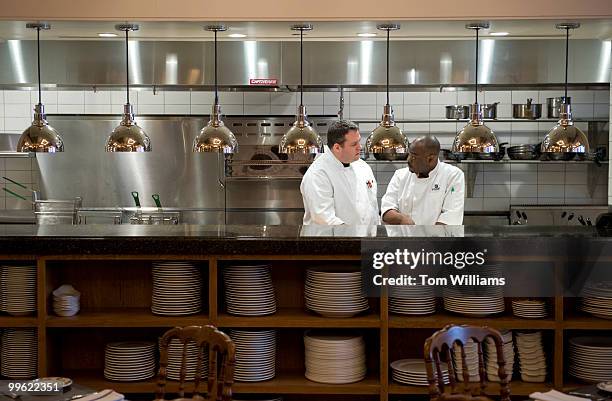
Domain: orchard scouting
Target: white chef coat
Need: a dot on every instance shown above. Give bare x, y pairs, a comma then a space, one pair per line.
437, 198
334, 194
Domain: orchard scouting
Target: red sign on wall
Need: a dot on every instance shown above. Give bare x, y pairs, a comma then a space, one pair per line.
263, 82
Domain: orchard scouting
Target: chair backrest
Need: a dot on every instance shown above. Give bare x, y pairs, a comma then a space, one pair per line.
207, 339
441, 342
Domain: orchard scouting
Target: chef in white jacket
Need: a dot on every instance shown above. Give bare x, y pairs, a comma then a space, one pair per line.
339, 187
427, 192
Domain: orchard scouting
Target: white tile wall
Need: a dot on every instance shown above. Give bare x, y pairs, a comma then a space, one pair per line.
497, 186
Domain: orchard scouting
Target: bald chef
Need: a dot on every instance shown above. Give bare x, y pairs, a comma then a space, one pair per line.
339, 187
427, 192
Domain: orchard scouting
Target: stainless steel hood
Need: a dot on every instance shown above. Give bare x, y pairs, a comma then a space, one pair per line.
355, 63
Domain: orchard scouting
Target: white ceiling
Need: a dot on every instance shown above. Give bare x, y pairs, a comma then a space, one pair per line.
344, 30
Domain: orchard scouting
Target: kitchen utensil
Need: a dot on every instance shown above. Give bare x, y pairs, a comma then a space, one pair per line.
589, 222
524, 217
489, 111
14, 194
570, 217
136, 199
57, 211
581, 220
523, 152
35, 194
457, 112
553, 106
528, 111
563, 214
156, 200
497, 156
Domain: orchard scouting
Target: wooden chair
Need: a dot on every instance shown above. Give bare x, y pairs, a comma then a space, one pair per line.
441, 342
207, 339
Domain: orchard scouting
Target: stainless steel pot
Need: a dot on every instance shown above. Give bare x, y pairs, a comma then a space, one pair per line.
553, 105
489, 111
528, 111
457, 112
391, 156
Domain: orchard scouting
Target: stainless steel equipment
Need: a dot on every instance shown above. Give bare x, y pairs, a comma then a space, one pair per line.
555, 215
528, 111
553, 106
263, 185
458, 112
488, 111
57, 211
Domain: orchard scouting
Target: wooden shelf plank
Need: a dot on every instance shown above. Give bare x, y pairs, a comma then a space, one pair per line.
576, 320
18, 321
296, 317
441, 319
285, 383
516, 388
124, 317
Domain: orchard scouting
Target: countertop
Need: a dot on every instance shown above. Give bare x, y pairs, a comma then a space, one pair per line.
265, 240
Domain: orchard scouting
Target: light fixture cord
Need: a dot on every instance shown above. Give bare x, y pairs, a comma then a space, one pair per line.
301, 67
38, 55
127, 68
388, 65
566, 61
476, 80
216, 87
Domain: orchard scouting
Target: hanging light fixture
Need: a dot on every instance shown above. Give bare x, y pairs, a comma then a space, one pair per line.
40, 136
565, 137
476, 137
128, 136
387, 138
301, 137
215, 137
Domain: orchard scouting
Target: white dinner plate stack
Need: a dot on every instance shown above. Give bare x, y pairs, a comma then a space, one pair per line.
597, 299
19, 353
410, 300
465, 302
471, 359
129, 361
66, 300
532, 359
492, 368
334, 358
249, 290
18, 290
334, 292
590, 358
175, 359
529, 308
177, 288
255, 354
413, 372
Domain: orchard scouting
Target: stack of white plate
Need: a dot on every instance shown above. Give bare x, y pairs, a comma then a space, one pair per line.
529, 308
249, 290
66, 300
129, 361
334, 358
408, 300
490, 350
471, 359
413, 372
532, 359
334, 292
19, 353
255, 354
255, 397
474, 303
590, 358
175, 359
597, 299
18, 290
177, 288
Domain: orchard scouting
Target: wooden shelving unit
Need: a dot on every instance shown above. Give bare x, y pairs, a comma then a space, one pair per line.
116, 299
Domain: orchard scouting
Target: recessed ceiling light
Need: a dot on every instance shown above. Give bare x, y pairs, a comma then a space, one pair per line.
366, 34
107, 35
499, 33
237, 35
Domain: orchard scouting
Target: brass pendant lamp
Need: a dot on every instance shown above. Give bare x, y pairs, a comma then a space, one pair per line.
128, 136
565, 137
216, 137
301, 137
40, 136
476, 137
387, 138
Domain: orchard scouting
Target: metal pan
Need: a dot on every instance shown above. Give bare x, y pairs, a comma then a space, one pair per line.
553, 105
457, 112
528, 111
